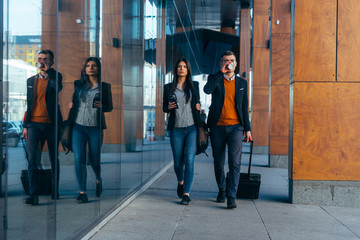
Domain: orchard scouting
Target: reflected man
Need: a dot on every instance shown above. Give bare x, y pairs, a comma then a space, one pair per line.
228, 119
42, 121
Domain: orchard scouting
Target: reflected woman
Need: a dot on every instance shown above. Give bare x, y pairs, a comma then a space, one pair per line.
91, 98
181, 99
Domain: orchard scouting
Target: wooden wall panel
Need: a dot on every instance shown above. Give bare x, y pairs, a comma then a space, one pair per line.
112, 69
261, 98
281, 21
281, 8
279, 145
348, 54
326, 132
261, 31
261, 7
261, 66
73, 47
280, 59
160, 78
279, 117
260, 128
260, 103
112, 7
280, 77
281, 25
315, 40
114, 134
245, 42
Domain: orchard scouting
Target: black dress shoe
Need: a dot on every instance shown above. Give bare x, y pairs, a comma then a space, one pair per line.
82, 198
33, 200
98, 187
180, 190
231, 203
221, 197
185, 200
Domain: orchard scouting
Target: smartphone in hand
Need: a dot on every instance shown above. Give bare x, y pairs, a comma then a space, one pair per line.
96, 99
172, 98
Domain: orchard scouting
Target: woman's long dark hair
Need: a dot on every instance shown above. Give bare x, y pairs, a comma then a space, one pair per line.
189, 86
84, 79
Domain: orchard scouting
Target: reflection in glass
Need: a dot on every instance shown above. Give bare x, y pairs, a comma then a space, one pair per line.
91, 98
135, 145
41, 123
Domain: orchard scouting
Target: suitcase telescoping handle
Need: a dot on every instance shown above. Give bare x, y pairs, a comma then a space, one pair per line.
251, 149
24, 146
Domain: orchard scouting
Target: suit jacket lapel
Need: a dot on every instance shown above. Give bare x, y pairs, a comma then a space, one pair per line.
35, 85
237, 87
222, 87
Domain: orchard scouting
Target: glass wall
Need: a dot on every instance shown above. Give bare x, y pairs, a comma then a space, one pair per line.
129, 39
137, 43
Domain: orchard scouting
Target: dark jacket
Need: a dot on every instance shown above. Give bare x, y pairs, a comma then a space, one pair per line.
50, 96
194, 100
106, 101
215, 87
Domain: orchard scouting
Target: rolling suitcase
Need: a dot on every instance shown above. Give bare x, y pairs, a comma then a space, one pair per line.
43, 178
249, 183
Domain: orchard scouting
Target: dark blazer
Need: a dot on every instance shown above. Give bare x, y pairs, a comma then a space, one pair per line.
50, 96
194, 100
215, 87
106, 101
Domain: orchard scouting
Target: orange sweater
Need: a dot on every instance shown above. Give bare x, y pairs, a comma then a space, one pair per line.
228, 114
39, 112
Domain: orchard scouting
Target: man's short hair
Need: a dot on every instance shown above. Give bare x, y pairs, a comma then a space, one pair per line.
227, 53
46, 51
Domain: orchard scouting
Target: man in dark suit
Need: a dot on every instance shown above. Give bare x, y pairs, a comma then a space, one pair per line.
228, 121
42, 121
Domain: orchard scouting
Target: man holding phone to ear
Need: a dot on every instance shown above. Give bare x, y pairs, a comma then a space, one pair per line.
228, 121
42, 122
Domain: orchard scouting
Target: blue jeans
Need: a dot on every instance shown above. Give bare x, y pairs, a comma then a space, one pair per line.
183, 145
80, 137
231, 136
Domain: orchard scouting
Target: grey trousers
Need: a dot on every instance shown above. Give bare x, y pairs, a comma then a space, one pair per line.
231, 136
38, 133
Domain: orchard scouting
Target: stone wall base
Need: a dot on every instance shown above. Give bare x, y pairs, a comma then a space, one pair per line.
279, 161
330, 193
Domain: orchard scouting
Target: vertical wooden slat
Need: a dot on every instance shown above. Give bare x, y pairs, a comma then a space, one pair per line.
280, 79
261, 68
112, 69
348, 54
245, 37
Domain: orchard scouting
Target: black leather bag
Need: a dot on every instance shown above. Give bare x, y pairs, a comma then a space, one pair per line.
202, 140
43, 179
66, 137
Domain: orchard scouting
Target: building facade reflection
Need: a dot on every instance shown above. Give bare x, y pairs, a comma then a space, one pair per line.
136, 42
